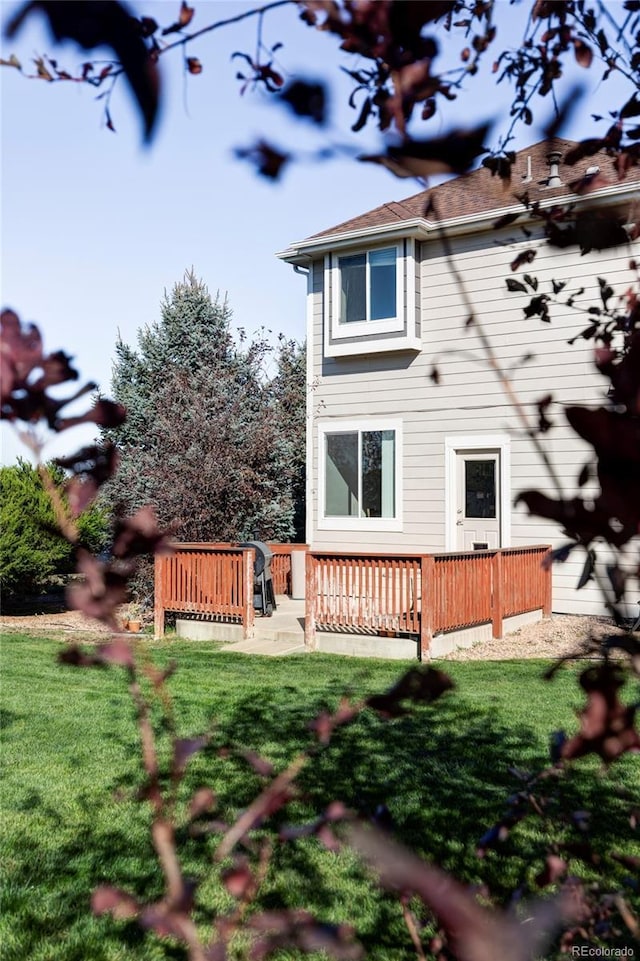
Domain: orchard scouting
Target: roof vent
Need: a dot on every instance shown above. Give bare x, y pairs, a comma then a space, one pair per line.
592, 171
527, 177
553, 159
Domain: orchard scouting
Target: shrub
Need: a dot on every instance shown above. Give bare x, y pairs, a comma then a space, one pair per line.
31, 549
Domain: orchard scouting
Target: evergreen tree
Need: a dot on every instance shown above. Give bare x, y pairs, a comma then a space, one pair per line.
289, 388
203, 442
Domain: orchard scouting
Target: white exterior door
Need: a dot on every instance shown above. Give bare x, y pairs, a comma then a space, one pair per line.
477, 500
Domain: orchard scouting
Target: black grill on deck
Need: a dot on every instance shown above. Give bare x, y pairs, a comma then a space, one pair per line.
264, 598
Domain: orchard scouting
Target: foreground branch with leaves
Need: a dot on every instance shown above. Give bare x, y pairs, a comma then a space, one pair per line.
467, 929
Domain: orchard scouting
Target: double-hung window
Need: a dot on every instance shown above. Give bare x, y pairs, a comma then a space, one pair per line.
360, 476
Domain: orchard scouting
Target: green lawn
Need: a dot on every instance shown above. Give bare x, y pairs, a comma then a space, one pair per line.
69, 755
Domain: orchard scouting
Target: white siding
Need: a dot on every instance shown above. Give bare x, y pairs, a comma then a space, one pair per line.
469, 399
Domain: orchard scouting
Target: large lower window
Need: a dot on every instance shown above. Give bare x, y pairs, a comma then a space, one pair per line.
360, 474
368, 286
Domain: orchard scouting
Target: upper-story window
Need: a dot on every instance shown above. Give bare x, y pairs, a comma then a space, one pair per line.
368, 286
370, 300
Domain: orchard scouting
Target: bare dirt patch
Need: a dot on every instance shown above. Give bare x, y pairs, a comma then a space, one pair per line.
60, 622
559, 636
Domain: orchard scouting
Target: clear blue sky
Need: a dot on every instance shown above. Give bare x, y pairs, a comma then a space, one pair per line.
95, 227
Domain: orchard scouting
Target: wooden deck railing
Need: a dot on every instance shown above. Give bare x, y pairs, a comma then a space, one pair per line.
215, 580
375, 593
212, 580
281, 565
423, 594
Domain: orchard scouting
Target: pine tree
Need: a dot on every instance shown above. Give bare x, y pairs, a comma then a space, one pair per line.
204, 442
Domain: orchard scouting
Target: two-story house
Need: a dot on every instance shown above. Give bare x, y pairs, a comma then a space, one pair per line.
403, 458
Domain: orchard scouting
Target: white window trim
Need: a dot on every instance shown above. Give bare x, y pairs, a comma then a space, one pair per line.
359, 523
309, 406
360, 337
456, 443
386, 325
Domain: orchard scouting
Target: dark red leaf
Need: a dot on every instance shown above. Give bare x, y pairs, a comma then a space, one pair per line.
583, 52
104, 413
587, 570
238, 880
20, 352
365, 112
524, 257
184, 748
454, 153
575, 518
269, 161
57, 369
138, 535
91, 466
630, 861
505, 221
148, 26
167, 921
184, 19
193, 65
116, 651
74, 656
418, 685
109, 900
607, 727
554, 868
203, 801
631, 107
306, 100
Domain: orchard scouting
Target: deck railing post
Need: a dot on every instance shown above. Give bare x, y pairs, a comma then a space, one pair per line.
427, 604
158, 596
248, 614
310, 594
546, 573
496, 594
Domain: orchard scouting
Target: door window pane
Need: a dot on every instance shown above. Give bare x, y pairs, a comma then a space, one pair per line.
382, 269
480, 488
353, 280
341, 476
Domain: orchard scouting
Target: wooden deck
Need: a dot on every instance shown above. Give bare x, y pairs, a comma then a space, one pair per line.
385, 595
